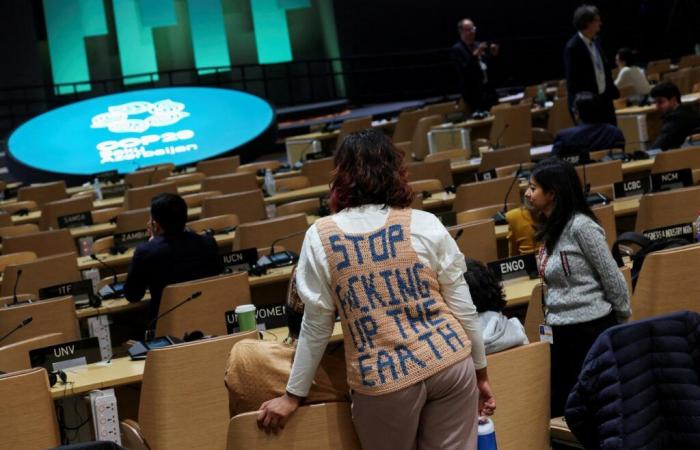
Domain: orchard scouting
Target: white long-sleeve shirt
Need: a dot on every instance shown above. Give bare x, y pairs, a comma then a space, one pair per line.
433, 245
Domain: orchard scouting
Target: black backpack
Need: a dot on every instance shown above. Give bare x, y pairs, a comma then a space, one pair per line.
646, 246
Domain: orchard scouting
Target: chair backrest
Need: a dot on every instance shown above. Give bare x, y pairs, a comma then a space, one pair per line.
507, 171
43, 193
659, 66
42, 272
689, 61
133, 220
5, 219
314, 427
681, 78
261, 234
511, 126
486, 193
485, 212
147, 177
185, 179
442, 109
16, 258
406, 124
49, 316
456, 154
248, 206
306, 206
519, 378
478, 240
214, 223
51, 211
43, 243
184, 403
606, 216
534, 316
420, 186
18, 230
318, 171
195, 200
668, 208
207, 313
351, 126
219, 166
140, 197
559, 116
291, 183
600, 174
253, 168
419, 143
231, 184
505, 157
433, 170
682, 158
105, 215
28, 414
15, 356
11, 208
667, 282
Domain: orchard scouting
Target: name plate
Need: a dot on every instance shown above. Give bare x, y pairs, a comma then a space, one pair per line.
671, 180
266, 317
485, 176
630, 188
80, 219
113, 191
130, 239
66, 355
682, 231
82, 291
240, 260
110, 176
515, 267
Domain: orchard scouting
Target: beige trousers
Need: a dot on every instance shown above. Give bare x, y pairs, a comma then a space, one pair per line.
440, 412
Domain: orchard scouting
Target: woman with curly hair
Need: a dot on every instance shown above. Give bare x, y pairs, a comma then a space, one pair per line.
414, 355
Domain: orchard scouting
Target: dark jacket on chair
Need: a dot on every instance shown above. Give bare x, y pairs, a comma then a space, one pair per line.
677, 125
575, 144
640, 387
168, 260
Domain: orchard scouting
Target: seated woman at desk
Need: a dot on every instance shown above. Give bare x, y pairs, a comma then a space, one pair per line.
584, 292
499, 332
521, 234
258, 370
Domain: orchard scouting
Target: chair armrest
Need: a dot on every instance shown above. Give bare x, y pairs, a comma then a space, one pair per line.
131, 435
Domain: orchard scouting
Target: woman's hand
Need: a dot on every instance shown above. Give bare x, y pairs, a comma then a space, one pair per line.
487, 401
274, 414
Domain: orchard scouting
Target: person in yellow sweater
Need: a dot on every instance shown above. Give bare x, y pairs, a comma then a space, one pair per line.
521, 238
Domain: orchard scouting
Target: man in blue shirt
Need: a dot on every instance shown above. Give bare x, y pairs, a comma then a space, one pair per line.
575, 144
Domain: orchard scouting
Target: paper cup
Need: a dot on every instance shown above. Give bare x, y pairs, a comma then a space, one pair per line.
245, 314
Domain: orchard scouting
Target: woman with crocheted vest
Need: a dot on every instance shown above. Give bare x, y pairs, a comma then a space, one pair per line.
414, 354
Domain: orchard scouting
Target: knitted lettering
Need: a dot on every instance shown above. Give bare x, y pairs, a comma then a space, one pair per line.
398, 329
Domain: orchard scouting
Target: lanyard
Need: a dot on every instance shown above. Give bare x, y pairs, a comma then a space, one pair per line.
543, 258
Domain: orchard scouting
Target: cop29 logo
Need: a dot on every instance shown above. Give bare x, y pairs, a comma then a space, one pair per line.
138, 117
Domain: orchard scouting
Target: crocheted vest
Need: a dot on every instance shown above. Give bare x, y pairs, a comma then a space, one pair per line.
397, 328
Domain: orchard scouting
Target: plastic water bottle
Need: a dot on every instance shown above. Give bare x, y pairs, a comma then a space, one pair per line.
541, 97
269, 183
487, 435
696, 227
97, 187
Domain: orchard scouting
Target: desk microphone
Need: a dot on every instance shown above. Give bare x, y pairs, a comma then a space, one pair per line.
500, 217
595, 198
22, 324
500, 136
151, 328
273, 259
116, 289
14, 290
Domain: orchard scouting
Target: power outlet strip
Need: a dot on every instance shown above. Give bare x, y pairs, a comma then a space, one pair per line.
99, 327
105, 416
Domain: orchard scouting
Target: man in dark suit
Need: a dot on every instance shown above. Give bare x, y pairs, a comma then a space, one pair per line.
473, 60
585, 65
172, 255
679, 120
575, 144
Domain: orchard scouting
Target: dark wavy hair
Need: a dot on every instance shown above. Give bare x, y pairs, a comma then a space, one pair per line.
559, 176
369, 169
487, 292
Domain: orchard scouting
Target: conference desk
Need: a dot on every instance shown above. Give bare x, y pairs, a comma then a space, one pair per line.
122, 371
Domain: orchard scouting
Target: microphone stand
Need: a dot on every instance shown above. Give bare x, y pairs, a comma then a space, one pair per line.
150, 329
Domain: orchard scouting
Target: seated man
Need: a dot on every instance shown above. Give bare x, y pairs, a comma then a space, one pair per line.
575, 144
172, 255
499, 332
679, 120
259, 370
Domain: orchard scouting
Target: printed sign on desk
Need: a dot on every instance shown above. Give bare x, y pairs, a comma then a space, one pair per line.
80, 219
130, 239
240, 260
487, 175
515, 267
633, 187
82, 291
266, 317
671, 180
681, 231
